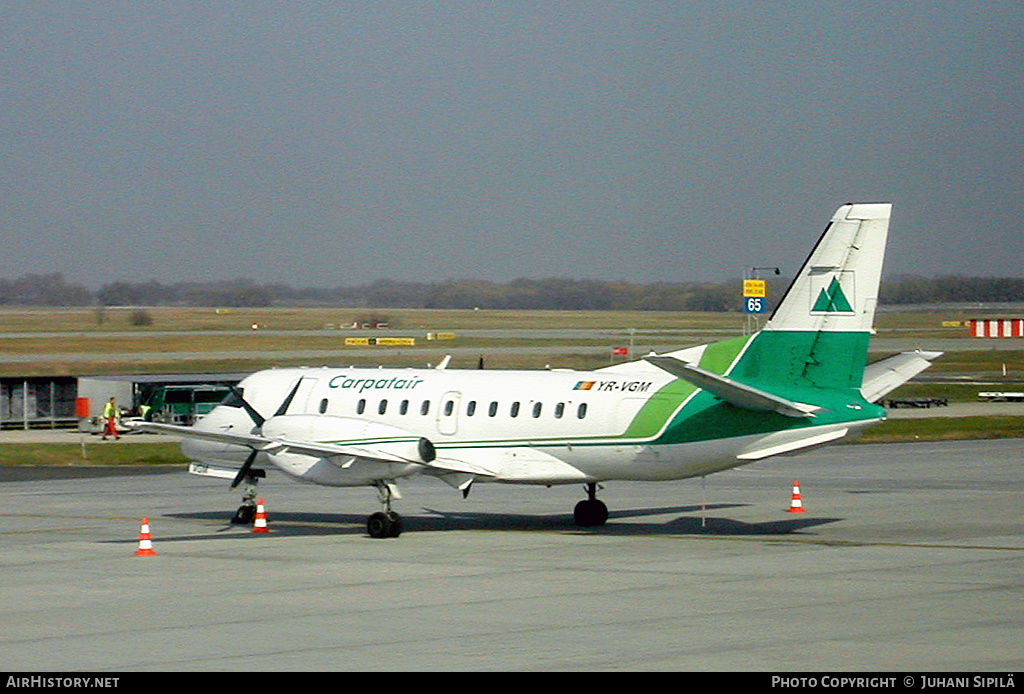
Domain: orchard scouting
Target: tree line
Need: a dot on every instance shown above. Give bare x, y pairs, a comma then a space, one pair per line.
554, 294
951, 289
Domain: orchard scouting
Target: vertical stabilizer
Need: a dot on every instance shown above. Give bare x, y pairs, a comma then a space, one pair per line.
818, 336
837, 288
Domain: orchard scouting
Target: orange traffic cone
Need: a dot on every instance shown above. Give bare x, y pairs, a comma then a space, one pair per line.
797, 504
145, 541
261, 518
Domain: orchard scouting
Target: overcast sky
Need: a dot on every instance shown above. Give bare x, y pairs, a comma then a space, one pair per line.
335, 143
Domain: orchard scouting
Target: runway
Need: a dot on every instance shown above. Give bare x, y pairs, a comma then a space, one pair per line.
910, 558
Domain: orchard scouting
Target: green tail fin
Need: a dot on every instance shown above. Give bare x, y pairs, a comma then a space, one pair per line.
818, 336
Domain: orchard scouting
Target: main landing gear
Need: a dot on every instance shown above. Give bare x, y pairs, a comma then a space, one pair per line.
385, 523
591, 512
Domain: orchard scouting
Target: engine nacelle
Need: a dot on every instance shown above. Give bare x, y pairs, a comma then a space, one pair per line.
373, 451
368, 439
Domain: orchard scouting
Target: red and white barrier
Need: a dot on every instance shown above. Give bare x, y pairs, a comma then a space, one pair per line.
997, 327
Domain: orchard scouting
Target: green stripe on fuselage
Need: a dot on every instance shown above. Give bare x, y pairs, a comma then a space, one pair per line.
651, 418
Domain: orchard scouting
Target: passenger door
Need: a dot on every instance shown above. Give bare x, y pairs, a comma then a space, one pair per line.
448, 413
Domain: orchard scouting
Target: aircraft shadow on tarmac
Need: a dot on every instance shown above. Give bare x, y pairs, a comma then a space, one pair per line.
620, 522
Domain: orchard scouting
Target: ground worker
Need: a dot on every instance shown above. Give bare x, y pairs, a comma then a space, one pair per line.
110, 413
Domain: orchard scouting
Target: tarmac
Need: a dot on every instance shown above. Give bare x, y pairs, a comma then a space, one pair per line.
908, 559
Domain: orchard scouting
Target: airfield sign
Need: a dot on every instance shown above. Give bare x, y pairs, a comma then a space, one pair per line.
755, 296
755, 288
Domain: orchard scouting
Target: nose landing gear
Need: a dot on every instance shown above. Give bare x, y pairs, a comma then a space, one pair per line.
246, 513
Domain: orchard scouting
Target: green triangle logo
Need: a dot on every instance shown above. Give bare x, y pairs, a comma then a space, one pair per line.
832, 300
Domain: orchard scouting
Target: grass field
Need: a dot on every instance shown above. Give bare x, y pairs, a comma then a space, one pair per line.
43, 342
92, 453
211, 319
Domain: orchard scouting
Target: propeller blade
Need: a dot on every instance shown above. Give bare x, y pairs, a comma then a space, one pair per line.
283, 409
256, 417
244, 470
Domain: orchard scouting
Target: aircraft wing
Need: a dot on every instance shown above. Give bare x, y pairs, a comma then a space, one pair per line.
191, 432
449, 464
884, 376
282, 445
351, 450
733, 392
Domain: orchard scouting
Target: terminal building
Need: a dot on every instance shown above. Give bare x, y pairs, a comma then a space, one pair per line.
70, 401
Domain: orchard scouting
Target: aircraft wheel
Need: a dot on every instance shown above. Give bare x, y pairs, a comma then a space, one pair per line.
377, 525
396, 524
244, 515
381, 525
590, 513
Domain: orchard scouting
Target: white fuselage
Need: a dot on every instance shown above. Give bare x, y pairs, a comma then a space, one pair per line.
532, 427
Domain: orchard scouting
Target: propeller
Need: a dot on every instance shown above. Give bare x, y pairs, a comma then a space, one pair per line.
283, 409
259, 421
244, 470
238, 400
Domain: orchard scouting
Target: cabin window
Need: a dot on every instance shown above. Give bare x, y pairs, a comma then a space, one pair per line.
449, 407
581, 411
425, 408
382, 407
514, 410
404, 407
492, 410
536, 409
559, 410
323, 406
471, 408
361, 406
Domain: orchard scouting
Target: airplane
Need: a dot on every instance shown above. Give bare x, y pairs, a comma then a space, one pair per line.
801, 381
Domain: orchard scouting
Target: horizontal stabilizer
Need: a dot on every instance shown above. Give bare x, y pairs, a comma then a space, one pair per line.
885, 376
733, 392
